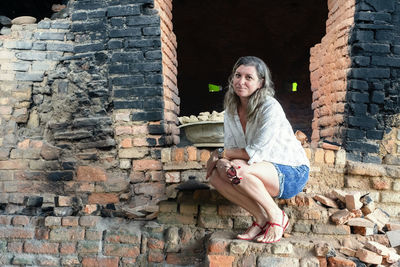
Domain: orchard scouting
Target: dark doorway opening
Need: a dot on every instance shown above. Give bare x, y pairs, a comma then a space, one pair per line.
39, 9
212, 35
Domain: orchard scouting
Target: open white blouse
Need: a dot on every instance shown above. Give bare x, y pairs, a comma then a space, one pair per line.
269, 137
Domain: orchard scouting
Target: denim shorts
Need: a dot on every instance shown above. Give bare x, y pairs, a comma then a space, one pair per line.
291, 179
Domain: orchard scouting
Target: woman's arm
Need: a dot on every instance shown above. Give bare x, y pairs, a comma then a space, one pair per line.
236, 153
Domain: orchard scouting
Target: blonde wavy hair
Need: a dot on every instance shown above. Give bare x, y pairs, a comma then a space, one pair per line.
232, 101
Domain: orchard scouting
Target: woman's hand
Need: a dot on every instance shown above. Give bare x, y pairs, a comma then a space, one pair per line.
211, 163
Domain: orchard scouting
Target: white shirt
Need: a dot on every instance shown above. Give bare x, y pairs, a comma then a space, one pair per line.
269, 137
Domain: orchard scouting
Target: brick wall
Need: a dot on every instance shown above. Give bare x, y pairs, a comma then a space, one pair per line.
373, 88
329, 63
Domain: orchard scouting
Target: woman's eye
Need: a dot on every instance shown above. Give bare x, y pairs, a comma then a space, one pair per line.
237, 75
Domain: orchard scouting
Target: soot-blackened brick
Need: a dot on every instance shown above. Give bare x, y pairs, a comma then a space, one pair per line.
138, 92
386, 61
115, 44
79, 16
381, 5
151, 43
154, 79
151, 141
378, 85
89, 5
362, 48
68, 165
148, 116
125, 33
396, 49
378, 97
358, 108
359, 97
127, 57
361, 61
128, 104
368, 73
384, 36
118, 22
158, 55
146, 67
128, 80
142, 20
153, 103
362, 36
156, 129
355, 134
370, 158
363, 121
98, 26
362, 146
119, 69
119, 11
60, 176
96, 14
373, 109
88, 48
358, 84
375, 134
151, 31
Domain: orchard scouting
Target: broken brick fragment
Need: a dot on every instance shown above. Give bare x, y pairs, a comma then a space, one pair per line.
368, 256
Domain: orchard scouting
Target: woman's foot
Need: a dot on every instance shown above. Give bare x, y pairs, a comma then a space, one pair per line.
253, 231
274, 231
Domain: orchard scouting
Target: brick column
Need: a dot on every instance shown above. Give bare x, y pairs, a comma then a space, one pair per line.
329, 64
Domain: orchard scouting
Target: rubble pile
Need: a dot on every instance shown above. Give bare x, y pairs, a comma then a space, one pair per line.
364, 218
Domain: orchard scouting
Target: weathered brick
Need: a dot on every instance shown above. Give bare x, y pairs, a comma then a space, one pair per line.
91, 173
155, 255
92, 234
172, 177
331, 229
17, 233
70, 221
88, 247
339, 261
67, 234
41, 247
89, 221
147, 164
15, 247
368, 256
121, 250
154, 243
52, 221
133, 153
126, 10
67, 248
20, 220
42, 233
221, 260
70, 261
14, 165
100, 261
103, 198
122, 236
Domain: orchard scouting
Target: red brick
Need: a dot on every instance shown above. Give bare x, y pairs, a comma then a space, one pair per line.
42, 233
126, 143
341, 216
17, 233
204, 156
40, 247
5, 219
14, 165
220, 260
24, 144
103, 198
100, 262
179, 154
67, 248
192, 153
15, 247
326, 201
368, 256
89, 173
217, 246
89, 221
70, 221
64, 201
156, 255
380, 183
146, 164
140, 142
121, 250
340, 262
89, 209
153, 243
20, 220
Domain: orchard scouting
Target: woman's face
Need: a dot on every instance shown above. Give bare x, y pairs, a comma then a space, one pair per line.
246, 81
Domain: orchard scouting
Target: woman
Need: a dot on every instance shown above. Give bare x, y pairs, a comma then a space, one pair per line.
261, 158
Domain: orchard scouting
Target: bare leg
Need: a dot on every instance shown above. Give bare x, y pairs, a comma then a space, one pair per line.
259, 181
221, 182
